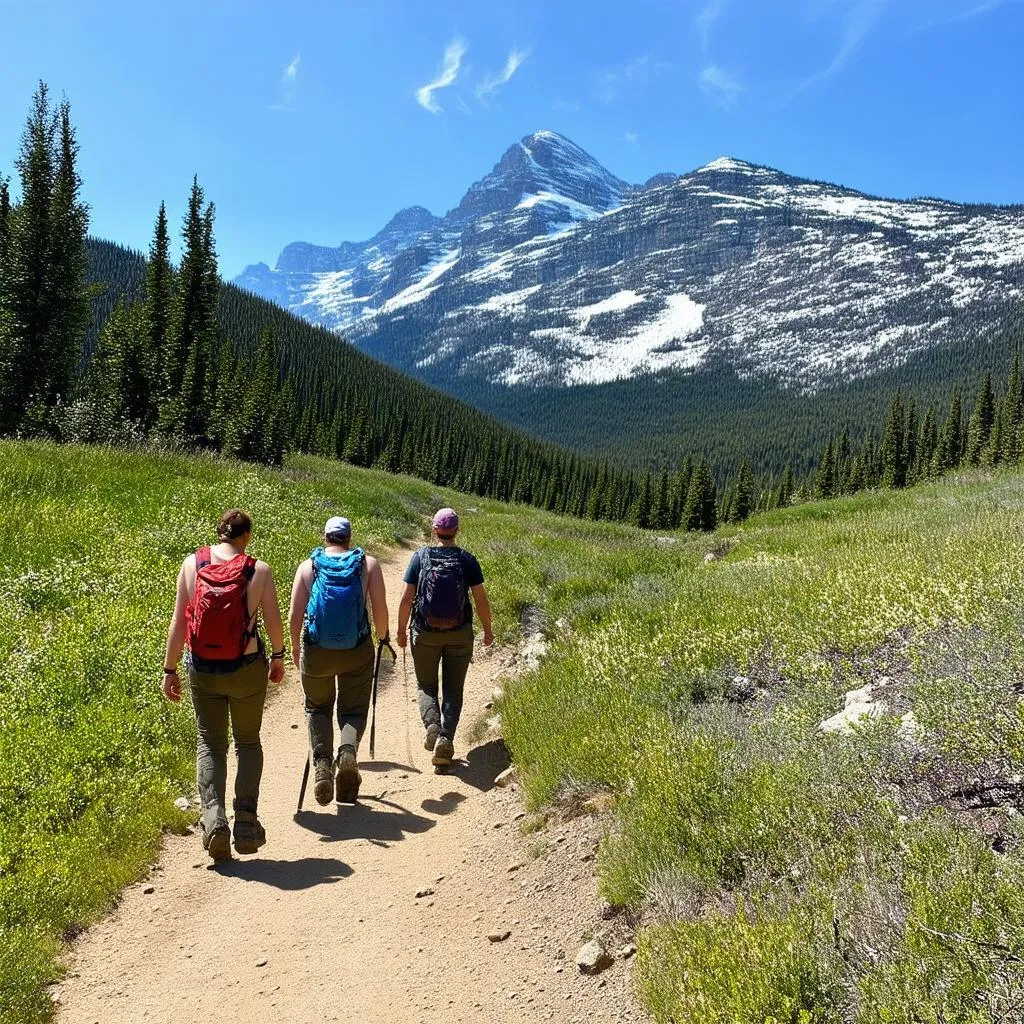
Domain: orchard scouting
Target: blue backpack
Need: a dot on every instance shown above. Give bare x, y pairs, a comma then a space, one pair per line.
336, 613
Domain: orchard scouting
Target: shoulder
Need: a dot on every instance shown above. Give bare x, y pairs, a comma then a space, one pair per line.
372, 564
262, 571
189, 565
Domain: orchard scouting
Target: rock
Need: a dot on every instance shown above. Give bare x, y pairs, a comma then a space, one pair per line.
181, 803
423, 893
858, 706
149, 890
710, 557
262, 962
516, 866
494, 722
507, 777
740, 689
593, 958
626, 951
499, 935
295, 725
497, 694
488, 705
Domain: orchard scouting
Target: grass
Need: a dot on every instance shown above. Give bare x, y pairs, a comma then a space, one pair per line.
782, 874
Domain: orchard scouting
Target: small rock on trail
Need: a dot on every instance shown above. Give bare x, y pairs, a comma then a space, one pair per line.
593, 958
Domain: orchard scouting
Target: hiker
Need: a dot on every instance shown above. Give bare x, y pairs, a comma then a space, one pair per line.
439, 581
333, 651
221, 592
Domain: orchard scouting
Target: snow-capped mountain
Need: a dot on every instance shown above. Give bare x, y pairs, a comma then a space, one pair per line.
553, 271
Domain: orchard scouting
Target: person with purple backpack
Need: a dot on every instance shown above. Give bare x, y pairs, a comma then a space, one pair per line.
439, 582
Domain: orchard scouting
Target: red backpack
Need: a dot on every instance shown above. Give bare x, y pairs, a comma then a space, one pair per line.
219, 626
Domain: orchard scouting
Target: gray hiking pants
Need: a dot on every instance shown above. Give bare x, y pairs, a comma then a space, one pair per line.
235, 697
343, 675
446, 653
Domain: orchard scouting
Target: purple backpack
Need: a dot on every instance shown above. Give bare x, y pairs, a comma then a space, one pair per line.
441, 592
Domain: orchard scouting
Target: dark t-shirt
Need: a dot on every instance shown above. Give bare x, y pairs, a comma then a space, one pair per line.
472, 574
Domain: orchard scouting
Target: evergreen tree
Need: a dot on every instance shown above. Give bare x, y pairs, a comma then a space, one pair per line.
743, 496
1013, 414
699, 512
893, 454
786, 487
979, 428
29, 296
640, 513
120, 373
910, 439
825, 478
257, 434
928, 444
194, 327
159, 308
950, 448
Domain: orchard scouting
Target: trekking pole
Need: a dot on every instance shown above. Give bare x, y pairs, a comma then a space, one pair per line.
305, 779
381, 644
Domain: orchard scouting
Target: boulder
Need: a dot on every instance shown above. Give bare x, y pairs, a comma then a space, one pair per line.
507, 777
858, 707
593, 957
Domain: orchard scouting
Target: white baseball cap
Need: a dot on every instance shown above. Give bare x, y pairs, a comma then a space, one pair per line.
337, 525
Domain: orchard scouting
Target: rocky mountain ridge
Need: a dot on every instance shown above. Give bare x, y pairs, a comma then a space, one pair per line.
552, 271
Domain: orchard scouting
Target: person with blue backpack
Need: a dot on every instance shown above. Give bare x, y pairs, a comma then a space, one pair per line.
439, 582
334, 594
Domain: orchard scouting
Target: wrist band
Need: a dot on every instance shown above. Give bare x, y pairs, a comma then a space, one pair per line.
170, 671
277, 655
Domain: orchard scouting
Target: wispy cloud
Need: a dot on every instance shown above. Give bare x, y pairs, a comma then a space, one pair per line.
494, 82
979, 9
720, 85
705, 21
637, 71
631, 137
859, 20
289, 84
449, 72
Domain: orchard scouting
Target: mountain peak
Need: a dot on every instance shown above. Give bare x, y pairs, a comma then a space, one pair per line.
545, 167
729, 164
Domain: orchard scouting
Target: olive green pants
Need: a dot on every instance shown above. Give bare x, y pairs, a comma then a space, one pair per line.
236, 698
446, 653
342, 676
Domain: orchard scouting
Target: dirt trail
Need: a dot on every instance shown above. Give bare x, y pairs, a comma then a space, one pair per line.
324, 924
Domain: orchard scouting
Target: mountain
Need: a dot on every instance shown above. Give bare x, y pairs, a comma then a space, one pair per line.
553, 272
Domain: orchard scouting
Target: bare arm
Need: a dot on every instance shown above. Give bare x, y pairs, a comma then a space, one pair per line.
483, 609
176, 636
404, 612
272, 612
378, 598
297, 610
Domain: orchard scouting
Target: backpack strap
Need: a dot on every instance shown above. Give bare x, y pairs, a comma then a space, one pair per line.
203, 558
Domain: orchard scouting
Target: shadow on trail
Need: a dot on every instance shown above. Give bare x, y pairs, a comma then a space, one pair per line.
482, 765
289, 875
388, 766
382, 824
443, 804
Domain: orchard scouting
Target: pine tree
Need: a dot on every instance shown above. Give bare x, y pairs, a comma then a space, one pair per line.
786, 487
910, 439
29, 298
640, 513
661, 512
1013, 414
825, 478
69, 296
193, 329
950, 448
927, 444
257, 435
159, 308
979, 428
893, 454
743, 496
120, 372
699, 512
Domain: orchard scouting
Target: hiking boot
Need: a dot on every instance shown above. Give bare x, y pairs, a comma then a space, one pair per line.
430, 737
444, 751
348, 778
323, 781
218, 843
250, 835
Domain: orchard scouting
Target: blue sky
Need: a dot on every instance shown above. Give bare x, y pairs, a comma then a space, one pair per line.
318, 121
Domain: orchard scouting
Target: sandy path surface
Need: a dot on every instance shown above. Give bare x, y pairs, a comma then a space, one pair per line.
325, 924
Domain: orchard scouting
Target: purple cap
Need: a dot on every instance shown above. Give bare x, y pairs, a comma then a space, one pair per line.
446, 520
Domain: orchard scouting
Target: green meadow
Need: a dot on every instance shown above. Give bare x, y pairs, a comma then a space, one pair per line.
775, 872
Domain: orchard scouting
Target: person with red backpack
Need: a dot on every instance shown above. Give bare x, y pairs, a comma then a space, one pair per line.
439, 582
333, 651
221, 592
